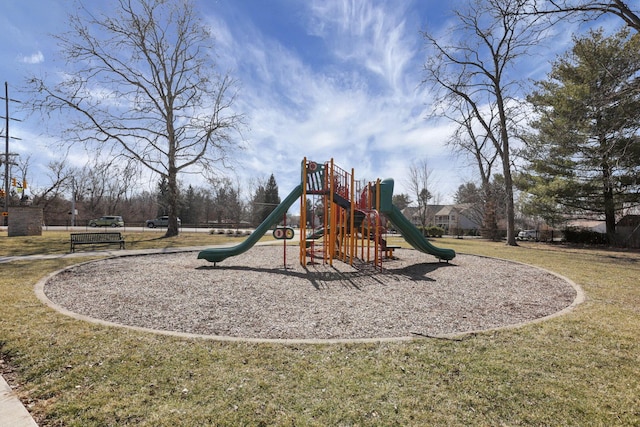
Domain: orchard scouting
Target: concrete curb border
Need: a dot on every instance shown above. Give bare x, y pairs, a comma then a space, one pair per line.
39, 291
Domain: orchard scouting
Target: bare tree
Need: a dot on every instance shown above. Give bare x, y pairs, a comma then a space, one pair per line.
52, 198
586, 10
23, 168
469, 69
143, 85
420, 184
102, 187
472, 140
58, 173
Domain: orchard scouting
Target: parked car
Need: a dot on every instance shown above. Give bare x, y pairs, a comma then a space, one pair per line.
107, 221
528, 235
162, 221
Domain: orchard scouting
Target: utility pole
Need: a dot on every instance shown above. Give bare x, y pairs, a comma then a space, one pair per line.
6, 149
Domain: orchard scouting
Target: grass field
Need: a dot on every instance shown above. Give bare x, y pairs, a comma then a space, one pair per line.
582, 369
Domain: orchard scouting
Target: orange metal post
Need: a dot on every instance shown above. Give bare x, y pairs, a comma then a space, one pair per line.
303, 215
377, 227
362, 240
352, 219
331, 246
369, 207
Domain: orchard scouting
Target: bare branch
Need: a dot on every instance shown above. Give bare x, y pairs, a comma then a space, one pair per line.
470, 72
585, 10
143, 84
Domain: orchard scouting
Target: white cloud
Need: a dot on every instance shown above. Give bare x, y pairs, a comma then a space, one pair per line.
34, 58
297, 108
367, 34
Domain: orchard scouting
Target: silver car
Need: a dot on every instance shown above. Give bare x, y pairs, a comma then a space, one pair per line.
162, 221
528, 235
107, 221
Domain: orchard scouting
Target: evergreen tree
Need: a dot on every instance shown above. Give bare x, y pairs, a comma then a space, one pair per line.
585, 156
271, 198
257, 205
401, 201
228, 206
190, 210
162, 198
194, 206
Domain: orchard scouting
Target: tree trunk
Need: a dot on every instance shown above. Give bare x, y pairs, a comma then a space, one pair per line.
511, 212
172, 187
489, 215
609, 204
172, 179
506, 169
172, 226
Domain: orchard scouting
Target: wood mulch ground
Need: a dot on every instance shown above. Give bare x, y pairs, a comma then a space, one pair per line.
253, 296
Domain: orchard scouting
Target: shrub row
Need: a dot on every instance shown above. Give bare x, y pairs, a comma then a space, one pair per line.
578, 235
230, 232
432, 231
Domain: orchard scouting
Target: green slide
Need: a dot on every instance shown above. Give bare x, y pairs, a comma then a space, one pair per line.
414, 237
409, 231
219, 254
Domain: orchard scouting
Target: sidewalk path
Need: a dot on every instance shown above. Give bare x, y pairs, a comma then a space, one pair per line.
127, 252
106, 253
12, 412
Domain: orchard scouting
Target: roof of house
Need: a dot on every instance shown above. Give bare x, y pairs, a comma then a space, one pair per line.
588, 224
445, 211
411, 211
460, 208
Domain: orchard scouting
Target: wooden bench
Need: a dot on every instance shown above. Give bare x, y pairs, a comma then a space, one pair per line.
96, 239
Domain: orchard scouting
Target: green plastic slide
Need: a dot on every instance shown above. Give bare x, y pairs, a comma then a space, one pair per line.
414, 237
219, 254
410, 232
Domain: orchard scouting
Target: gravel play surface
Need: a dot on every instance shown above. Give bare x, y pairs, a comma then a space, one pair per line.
253, 296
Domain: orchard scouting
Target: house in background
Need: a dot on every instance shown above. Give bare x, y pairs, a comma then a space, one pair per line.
594, 225
413, 214
457, 219
454, 219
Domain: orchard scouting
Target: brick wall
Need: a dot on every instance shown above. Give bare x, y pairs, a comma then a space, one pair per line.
25, 221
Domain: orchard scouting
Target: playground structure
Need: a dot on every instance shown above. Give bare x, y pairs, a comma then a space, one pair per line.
351, 228
353, 220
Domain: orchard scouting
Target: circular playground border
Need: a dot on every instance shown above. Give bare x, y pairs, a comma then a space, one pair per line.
254, 298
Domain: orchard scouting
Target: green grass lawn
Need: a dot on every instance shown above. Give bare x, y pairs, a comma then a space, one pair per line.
581, 369
57, 242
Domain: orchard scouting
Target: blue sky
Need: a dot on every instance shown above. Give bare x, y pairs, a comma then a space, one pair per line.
318, 78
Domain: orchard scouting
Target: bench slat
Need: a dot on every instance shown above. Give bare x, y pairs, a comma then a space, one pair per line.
96, 238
